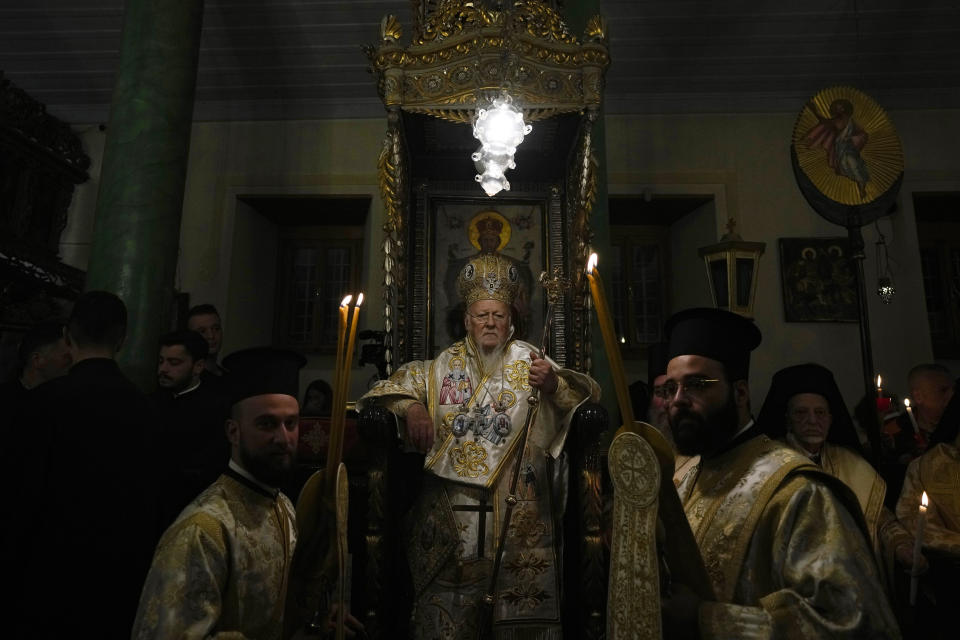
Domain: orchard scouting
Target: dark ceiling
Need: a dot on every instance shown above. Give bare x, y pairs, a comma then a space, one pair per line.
290, 59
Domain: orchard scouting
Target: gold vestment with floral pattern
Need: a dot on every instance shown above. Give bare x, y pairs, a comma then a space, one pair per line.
785, 546
220, 570
454, 527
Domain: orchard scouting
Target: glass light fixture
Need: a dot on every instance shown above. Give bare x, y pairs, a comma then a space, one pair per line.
732, 271
500, 130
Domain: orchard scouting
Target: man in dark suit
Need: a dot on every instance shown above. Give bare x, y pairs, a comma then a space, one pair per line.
41, 356
194, 446
85, 517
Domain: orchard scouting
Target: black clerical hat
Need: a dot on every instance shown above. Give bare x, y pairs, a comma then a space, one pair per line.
656, 361
263, 370
807, 378
716, 334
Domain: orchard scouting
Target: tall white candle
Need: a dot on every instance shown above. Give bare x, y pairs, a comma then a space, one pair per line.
918, 547
913, 419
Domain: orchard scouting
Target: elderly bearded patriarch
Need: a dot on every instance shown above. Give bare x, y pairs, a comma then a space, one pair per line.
471, 448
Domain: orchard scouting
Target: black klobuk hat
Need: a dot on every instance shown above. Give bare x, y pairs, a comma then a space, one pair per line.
263, 370
716, 334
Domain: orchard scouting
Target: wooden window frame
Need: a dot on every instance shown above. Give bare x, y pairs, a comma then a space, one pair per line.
323, 238
624, 238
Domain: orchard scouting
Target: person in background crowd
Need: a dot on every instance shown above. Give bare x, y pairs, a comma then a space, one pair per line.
42, 356
193, 418
83, 481
205, 320
805, 409
318, 399
937, 472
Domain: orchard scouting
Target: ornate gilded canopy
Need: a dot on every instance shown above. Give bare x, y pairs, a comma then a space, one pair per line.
462, 54
462, 50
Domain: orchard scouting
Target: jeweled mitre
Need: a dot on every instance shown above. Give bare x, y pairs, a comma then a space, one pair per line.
489, 276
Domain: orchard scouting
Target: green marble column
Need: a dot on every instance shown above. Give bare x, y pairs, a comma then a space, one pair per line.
137, 227
578, 13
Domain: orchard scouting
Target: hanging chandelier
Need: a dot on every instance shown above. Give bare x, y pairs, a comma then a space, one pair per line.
500, 130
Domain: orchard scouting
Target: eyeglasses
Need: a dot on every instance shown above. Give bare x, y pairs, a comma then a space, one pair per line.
484, 318
693, 386
803, 413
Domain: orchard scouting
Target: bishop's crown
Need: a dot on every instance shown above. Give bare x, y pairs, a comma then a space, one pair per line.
489, 276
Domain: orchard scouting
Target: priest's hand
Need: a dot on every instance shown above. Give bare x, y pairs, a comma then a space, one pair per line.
681, 613
542, 376
904, 555
419, 427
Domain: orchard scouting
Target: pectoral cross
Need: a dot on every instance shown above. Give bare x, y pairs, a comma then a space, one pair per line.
481, 509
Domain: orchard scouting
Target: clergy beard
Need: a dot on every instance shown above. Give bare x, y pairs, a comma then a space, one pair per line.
491, 361
696, 434
271, 467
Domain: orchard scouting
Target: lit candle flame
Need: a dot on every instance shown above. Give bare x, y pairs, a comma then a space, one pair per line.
346, 300
924, 501
592, 262
906, 402
360, 299
878, 381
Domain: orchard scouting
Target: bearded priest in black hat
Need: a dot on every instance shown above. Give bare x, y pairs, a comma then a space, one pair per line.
805, 409
784, 544
222, 566
465, 410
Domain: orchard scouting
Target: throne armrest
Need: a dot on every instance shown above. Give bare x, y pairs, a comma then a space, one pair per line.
392, 481
377, 428
585, 566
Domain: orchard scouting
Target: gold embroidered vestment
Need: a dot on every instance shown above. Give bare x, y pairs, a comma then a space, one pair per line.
455, 524
220, 570
785, 547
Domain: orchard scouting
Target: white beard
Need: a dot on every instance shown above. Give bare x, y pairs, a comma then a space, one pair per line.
491, 361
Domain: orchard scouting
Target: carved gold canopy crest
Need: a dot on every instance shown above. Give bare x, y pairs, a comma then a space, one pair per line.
463, 50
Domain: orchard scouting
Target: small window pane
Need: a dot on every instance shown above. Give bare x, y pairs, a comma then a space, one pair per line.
646, 293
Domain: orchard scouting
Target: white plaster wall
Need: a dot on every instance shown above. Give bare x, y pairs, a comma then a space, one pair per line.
78, 234
742, 160
329, 157
747, 158
251, 299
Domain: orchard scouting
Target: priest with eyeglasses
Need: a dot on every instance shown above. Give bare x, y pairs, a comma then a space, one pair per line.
466, 410
784, 544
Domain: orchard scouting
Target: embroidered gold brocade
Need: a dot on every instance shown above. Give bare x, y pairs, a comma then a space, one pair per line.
517, 375
938, 473
450, 577
633, 609
785, 545
468, 460
221, 568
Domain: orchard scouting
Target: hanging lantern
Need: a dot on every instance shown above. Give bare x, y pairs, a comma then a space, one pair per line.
886, 287
732, 269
